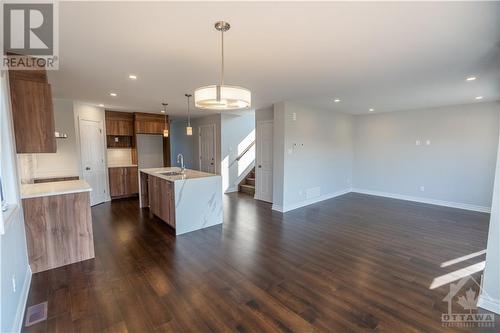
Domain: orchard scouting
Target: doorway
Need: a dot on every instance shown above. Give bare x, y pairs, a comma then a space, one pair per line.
207, 148
264, 161
92, 157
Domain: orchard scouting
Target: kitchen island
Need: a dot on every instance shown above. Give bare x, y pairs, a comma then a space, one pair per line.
186, 200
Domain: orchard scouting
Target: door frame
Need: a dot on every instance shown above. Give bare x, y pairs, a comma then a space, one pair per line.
259, 123
212, 126
106, 196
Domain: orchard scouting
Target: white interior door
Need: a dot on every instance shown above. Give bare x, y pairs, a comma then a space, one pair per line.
264, 161
207, 148
92, 152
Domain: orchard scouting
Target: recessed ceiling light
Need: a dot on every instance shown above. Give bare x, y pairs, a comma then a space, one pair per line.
470, 78
371, 110
113, 94
479, 97
132, 77
101, 105
336, 100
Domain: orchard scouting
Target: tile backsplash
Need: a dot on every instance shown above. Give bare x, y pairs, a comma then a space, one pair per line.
119, 156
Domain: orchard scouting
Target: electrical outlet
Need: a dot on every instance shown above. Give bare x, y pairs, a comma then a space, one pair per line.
422, 188
13, 283
428, 142
417, 143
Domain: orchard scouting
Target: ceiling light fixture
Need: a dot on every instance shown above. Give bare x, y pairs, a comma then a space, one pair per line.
132, 77
101, 105
371, 110
220, 96
113, 94
479, 97
189, 129
165, 130
336, 100
470, 78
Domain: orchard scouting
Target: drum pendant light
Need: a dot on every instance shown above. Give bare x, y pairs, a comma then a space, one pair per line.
222, 97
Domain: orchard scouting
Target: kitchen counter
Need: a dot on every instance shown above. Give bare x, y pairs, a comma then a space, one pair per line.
123, 166
54, 188
187, 174
187, 202
58, 223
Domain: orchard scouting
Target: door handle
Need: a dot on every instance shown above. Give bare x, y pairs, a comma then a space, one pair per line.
87, 168
260, 166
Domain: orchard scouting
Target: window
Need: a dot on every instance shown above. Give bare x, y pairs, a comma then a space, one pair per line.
8, 175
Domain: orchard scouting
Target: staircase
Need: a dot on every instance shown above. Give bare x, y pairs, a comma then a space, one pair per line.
248, 184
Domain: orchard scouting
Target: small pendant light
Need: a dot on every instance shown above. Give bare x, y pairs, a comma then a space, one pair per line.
165, 131
189, 129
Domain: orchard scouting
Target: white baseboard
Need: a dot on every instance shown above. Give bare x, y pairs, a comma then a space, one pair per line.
459, 205
308, 202
18, 320
489, 304
231, 190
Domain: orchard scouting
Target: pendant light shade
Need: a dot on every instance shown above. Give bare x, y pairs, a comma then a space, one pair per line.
220, 96
189, 129
165, 130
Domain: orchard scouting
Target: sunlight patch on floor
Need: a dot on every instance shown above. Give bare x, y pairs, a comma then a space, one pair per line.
463, 258
456, 275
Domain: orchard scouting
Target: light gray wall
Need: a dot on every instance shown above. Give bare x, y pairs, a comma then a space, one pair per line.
149, 151
264, 114
237, 132
13, 250
278, 155
180, 143
458, 165
65, 161
317, 154
490, 293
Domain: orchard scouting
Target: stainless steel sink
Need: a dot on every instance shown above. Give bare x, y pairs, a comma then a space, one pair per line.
172, 173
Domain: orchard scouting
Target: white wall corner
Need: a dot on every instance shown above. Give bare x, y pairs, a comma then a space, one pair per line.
489, 304
277, 208
18, 320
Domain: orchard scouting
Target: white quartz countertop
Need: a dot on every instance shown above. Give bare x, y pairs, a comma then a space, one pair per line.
122, 165
54, 188
188, 173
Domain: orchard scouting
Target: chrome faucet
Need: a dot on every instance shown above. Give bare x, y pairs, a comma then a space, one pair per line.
180, 159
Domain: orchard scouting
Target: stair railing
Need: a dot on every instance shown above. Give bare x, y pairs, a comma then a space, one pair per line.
240, 156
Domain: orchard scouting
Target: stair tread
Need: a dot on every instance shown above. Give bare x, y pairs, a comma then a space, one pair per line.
250, 178
247, 185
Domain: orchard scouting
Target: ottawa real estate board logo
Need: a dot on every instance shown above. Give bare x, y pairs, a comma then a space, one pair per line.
29, 35
462, 305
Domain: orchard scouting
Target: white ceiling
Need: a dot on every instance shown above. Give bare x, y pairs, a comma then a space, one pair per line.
389, 56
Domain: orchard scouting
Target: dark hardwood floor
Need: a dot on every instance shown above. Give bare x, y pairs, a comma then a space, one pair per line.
355, 263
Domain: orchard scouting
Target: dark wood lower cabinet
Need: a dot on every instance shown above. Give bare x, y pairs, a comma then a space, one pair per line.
123, 181
161, 199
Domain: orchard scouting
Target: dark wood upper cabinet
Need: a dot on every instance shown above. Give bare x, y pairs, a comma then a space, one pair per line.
147, 123
119, 123
33, 114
